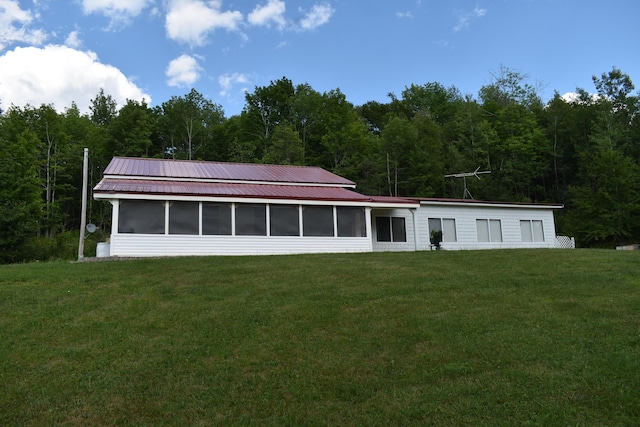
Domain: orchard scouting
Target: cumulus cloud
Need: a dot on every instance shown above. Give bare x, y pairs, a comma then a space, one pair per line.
191, 21
14, 25
60, 75
319, 15
73, 40
465, 18
270, 13
119, 11
229, 81
183, 71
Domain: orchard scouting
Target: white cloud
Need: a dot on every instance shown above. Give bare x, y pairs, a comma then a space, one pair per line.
465, 18
319, 15
479, 12
191, 21
14, 25
183, 71
404, 14
73, 40
60, 75
229, 81
117, 10
272, 12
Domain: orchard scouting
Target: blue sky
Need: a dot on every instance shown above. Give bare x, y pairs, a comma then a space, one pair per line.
56, 52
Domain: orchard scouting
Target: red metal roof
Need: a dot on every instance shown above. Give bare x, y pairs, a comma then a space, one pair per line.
191, 188
163, 168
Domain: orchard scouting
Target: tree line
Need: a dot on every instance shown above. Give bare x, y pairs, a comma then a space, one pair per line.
583, 152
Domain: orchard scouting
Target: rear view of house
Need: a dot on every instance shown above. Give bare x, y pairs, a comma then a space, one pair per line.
173, 207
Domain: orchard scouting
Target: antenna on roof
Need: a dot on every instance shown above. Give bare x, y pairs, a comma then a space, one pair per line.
464, 179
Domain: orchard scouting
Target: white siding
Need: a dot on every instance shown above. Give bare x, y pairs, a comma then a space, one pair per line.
409, 245
466, 216
144, 245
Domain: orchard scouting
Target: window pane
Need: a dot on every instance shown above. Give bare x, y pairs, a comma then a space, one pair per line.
383, 229
482, 225
538, 232
434, 225
399, 230
216, 219
251, 219
284, 220
183, 217
317, 220
351, 222
496, 230
449, 232
525, 230
141, 216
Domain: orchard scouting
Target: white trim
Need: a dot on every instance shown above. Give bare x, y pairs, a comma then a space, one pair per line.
202, 198
489, 205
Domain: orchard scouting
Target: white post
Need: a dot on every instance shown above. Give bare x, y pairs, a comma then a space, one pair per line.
83, 215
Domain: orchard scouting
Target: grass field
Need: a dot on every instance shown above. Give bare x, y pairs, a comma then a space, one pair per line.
520, 337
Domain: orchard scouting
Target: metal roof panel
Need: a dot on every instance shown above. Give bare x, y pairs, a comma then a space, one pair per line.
217, 189
163, 168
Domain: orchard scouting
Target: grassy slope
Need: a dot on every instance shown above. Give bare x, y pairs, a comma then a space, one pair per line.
447, 338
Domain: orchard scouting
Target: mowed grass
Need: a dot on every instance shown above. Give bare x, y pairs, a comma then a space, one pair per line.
519, 337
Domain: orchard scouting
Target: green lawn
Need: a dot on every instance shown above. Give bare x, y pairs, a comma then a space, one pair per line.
520, 337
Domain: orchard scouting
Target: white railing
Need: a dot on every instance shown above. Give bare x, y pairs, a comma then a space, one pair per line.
565, 242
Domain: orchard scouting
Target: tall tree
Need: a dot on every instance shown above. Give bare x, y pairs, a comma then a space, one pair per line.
267, 107
130, 131
20, 201
187, 124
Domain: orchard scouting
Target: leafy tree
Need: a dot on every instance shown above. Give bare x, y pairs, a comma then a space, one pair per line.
286, 147
20, 201
519, 154
305, 110
187, 124
130, 131
103, 109
267, 107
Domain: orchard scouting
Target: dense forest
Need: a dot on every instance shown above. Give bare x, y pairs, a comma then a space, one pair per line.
583, 153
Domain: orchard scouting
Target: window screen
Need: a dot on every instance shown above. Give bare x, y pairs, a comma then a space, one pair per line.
183, 217
251, 219
284, 220
351, 222
216, 219
141, 216
317, 220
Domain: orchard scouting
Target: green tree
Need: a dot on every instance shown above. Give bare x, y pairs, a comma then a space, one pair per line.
267, 107
20, 200
187, 125
286, 147
130, 131
103, 109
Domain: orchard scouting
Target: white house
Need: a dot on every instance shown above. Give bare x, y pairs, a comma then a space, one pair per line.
173, 207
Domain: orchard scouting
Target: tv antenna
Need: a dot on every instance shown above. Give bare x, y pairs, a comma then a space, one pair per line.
464, 179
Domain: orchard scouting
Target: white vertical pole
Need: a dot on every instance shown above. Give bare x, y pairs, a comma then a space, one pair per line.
83, 215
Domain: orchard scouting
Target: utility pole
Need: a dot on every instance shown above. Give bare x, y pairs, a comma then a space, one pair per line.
83, 215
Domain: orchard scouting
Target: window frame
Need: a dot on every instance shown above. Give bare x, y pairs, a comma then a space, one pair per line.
446, 237
532, 231
490, 228
391, 235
